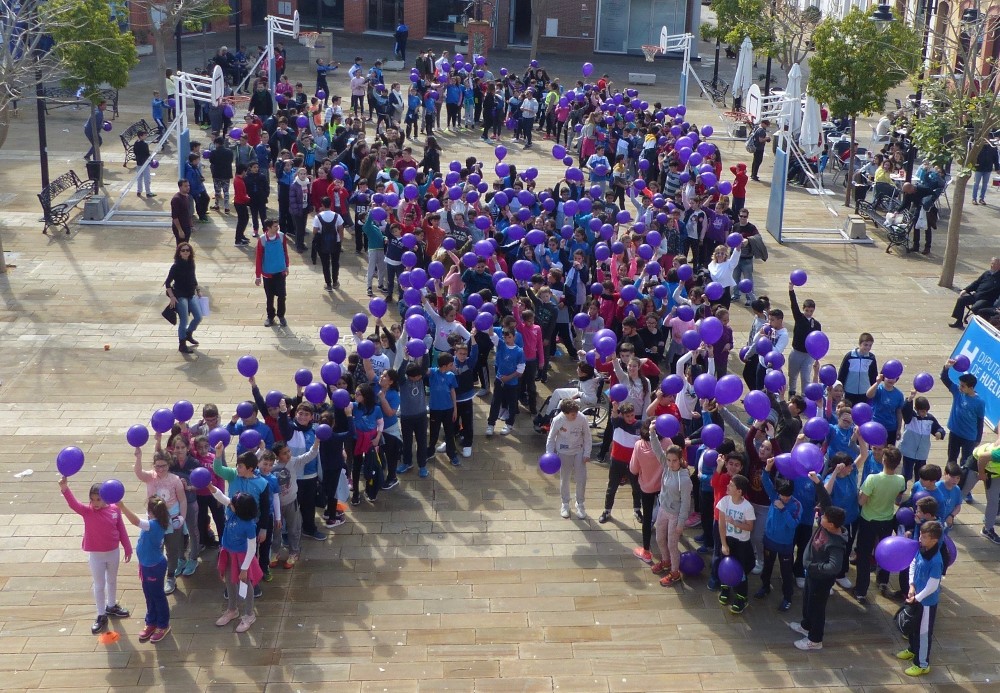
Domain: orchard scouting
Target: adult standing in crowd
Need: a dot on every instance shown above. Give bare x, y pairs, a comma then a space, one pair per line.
979, 295
272, 269
760, 140
181, 218
184, 295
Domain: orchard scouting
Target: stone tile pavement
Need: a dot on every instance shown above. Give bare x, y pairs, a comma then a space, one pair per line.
465, 581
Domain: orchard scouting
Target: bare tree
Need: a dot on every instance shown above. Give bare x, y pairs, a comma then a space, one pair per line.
160, 17
539, 10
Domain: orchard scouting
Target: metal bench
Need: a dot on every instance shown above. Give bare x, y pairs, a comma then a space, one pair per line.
641, 78
57, 213
897, 231
129, 135
60, 97
717, 90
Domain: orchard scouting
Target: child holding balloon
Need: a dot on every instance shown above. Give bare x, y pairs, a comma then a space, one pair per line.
182, 465
152, 563
925, 590
238, 565
170, 489
103, 532
736, 521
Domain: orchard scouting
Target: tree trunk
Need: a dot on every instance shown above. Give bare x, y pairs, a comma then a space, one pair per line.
5, 112
537, 13
159, 47
97, 128
954, 228
849, 185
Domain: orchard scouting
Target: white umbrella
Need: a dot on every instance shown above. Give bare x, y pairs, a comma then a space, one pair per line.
744, 70
811, 136
791, 105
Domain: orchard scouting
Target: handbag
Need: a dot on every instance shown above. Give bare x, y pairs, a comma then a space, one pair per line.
908, 617
343, 488
170, 314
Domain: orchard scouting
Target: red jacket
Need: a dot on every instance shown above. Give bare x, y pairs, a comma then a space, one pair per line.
338, 200
740, 181
240, 195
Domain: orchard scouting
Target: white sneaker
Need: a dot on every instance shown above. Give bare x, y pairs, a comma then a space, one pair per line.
845, 582
489, 431
797, 627
466, 452
801, 582
441, 447
581, 512
807, 644
758, 568
564, 511
506, 430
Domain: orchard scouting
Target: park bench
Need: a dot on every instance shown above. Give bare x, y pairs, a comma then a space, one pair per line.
129, 135
641, 78
897, 229
60, 97
56, 213
717, 90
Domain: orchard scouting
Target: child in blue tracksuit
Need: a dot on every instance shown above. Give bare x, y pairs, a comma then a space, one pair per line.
842, 485
783, 519
509, 365
919, 426
443, 385
466, 359
925, 590
841, 438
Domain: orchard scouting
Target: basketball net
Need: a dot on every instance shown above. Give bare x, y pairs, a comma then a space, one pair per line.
650, 52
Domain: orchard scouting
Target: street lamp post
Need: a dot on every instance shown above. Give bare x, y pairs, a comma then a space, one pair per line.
177, 38
715, 71
239, 15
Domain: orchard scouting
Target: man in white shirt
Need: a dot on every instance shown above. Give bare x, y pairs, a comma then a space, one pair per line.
440, 62
529, 109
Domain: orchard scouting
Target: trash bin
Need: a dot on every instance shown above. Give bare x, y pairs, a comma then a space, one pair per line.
95, 172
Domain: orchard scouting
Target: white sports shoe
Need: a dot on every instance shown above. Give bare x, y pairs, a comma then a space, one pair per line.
845, 582
466, 452
807, 644
506, 430
800, 583
564, 511
489, 431
441, 447
797, 627
581, 512
758, 568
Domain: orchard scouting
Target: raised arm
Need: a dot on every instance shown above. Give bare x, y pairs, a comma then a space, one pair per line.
141, 474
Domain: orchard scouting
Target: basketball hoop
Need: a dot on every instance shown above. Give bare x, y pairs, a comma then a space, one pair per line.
308, 38
651, 52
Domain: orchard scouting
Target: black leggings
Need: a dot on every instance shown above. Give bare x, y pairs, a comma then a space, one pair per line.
331, 472
803, 533
391, 449
648, 500
331, 265
487, 126
242, 220
465, 423
454, 111
307, 503
742, 551
208, 505
616, 472
784, 565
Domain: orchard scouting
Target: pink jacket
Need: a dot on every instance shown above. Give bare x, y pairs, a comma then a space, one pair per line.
646, 466
104, 529
532, 336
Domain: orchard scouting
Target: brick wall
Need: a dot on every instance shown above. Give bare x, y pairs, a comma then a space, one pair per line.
577, 22
415, 16
356, 16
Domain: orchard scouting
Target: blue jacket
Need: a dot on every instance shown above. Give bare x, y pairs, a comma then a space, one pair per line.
780, 525
508, 359
845, 495
839, 440
195, 178
805, 493
922, 570
237, 428
966, 417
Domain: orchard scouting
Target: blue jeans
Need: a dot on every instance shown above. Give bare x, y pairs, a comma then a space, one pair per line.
157, 609
744, 270
184, 306
980, 182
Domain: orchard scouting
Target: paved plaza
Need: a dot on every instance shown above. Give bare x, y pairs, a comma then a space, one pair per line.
465, 581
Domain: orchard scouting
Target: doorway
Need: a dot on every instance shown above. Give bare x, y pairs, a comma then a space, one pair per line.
520, 23
384, 15
258, 12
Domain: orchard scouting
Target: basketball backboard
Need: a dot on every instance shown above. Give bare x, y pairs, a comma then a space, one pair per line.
295, 25
664, 35
754, 103
218, 84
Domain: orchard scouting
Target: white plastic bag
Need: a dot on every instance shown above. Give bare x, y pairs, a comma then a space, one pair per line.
203, 304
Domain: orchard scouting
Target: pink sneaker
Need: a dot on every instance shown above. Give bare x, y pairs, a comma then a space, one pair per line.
643, 555
693, 520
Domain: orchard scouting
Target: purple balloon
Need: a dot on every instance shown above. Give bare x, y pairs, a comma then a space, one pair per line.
685, 272
775, 359
764, 346
874, 433
757, 404
137, 435
962, 363
618, 392
581, 321
712, 435
923, 382
244, 410
247, 366
895, 553
506, 288
113, 491
359, 323
745, 285
329, 334
861, 413
324, 432
813, 392
337, 353
70, 460
817, 344
774, 381
162, 420
798, 277
692, 563
303, 377
416, 326
201, 477
714, 291
249, 439
316, 392
330, 372
341, 399
728, 389
691, 340
730, 571
892, 369
667, 426
711, 329
828, 374
273, 399
704, 387
808, 457
483, 322
549, 463
183, 410
672, 384
219, 435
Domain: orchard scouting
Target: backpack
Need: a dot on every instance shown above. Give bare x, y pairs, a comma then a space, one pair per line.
374, 473
751, 143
